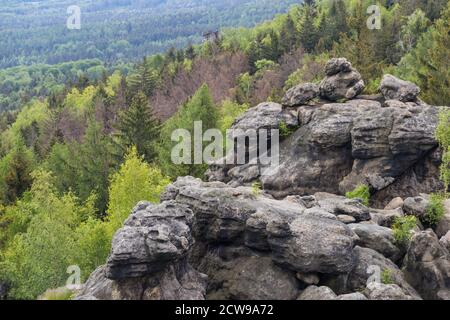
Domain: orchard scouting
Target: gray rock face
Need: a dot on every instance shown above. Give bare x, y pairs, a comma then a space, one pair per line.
380, 291
427, 266
267, 115
445, 241
378, 238
371, 264
342, 145
317, 293
443, 227
416, 206
300, 95
150, 240
148, 259
300, 242
341, 81
352, 296
397, 89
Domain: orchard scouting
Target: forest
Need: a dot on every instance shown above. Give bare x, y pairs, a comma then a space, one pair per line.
73, 164
39, 54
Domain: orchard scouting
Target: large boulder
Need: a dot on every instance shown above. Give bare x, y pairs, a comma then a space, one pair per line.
148, 259
340, 146
299, 241
427, 266
372, 265
397, 89
341, 81
300, 95
150, 240
381, 291
378, 238
317, 293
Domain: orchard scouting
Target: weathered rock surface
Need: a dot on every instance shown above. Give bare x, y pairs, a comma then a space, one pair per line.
427, 266
341, 81
378, 238
380, 291
397, 89
443, 227
148, 259
300, 95
317, 293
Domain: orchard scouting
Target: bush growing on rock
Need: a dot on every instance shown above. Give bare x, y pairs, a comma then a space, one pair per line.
402, 229
435, 210
361, 192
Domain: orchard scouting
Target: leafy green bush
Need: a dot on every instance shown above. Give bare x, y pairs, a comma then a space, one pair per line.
256, 188
435, 210
402, 229
60, 294
386, 276
361, 192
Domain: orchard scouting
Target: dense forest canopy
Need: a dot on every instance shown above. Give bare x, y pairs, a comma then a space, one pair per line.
40, 55
115, 30
101, 142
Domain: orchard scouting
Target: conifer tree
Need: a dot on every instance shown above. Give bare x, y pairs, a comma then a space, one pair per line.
138, 127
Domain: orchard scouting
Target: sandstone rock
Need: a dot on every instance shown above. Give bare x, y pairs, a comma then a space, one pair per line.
395, 204
416, 206
260, 279
299, 242
352, 296
445, 241
150, 240
427, 266
97, 287
378, 238
386, 218
444, 224
371, 264
346, 219
341, 81
397, 89
380, 291
308, 278
267, 115
317, 293
300, 95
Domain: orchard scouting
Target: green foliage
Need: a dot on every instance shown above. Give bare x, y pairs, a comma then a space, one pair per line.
137, 127
361, 192
135, 181
402, 229
256, 188
58, 294
436, 210
286, 131
443, 136
199, 108
228, 113
428, 65
386, 277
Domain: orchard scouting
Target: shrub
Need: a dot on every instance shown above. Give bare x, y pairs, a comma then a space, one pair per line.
361, 192
435, 210
256, 188
402, 229
386, 276
285, 131
57, 294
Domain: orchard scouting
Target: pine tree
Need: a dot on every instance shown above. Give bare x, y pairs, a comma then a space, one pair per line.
199, 108
138, 127
308, 31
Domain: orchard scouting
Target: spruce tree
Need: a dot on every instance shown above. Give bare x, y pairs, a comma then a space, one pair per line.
137, 126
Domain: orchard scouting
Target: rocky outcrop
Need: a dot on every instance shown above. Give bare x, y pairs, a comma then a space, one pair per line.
397, 89
300, 95
427, 266
342, 81
148, 259
387, 144
298, 237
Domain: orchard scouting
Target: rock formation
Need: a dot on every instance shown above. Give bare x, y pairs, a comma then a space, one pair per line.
298, 238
